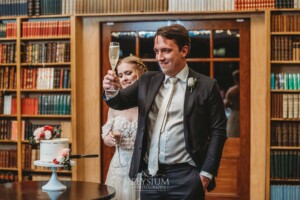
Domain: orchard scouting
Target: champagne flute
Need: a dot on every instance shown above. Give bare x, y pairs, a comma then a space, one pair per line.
113, 54
114, 50
117, 136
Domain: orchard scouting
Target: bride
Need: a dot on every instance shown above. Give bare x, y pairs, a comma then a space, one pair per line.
120, 131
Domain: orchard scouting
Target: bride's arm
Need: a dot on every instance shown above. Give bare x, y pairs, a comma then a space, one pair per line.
107, 136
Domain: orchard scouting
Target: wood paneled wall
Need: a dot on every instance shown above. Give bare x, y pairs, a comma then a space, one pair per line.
88, 98
259, 84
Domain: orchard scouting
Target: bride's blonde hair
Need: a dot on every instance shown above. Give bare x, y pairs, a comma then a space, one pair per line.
137, 62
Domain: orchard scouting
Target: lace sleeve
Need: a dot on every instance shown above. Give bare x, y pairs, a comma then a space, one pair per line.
106, 128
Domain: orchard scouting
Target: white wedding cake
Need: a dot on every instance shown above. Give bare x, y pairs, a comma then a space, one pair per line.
49, 149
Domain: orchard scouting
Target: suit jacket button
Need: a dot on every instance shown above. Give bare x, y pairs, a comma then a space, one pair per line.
140, 148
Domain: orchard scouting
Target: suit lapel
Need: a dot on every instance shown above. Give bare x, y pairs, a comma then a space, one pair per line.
154, 86
190, 96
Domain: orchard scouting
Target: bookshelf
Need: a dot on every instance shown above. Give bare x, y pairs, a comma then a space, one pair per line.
284, 136
36, 88
8, 91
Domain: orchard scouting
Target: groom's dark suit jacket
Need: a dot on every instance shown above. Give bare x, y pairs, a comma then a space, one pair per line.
204, 119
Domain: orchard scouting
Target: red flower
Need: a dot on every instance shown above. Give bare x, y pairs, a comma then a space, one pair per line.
49, 128
55, 161
42, 135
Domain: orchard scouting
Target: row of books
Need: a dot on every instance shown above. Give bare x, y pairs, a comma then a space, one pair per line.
13, 8
8, 30
205, 5
282, 48
254, 4
285, 164
7, 52
46, 28
45, 52
50, 7
6, 129
54, 104
45, 7
36, 78
285, 48
8, 104
285, 81
26, 150
8, 156
9, 129
285, 23
44, 104
288, 192
8, 77
265, 4
285, 105
45, 78
7, 177
29, 128
285, 134
120, 6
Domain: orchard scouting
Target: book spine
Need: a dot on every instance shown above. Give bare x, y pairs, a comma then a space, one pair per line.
30, 8
36, 7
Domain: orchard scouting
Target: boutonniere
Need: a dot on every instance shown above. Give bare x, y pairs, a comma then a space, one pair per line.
191, 83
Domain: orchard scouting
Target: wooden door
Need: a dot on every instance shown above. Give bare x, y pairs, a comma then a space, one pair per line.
220, 49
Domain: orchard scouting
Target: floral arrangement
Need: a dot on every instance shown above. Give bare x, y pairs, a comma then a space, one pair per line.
63, 158
44, 133
191, 83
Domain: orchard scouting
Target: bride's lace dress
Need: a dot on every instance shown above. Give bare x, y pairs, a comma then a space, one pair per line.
117, 175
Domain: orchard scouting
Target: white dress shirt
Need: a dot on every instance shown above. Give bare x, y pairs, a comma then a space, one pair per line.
172, 146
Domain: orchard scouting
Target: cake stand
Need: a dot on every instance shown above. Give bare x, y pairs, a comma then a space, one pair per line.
53, 184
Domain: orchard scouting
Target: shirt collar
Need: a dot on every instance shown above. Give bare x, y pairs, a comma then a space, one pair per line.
182, 75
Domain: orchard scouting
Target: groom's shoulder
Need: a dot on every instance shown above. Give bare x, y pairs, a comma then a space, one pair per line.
148, 75
204, 78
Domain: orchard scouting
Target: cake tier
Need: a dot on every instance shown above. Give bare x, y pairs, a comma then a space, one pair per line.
49, 149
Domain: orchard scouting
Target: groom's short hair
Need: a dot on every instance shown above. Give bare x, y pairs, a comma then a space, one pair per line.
176, 32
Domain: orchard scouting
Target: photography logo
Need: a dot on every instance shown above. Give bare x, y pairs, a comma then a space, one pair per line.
159, 182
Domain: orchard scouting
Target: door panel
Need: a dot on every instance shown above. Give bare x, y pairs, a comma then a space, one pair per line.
219, 48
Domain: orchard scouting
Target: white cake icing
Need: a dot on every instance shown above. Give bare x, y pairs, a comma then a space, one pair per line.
49, 149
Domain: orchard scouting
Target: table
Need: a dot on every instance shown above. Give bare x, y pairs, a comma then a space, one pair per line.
75, 190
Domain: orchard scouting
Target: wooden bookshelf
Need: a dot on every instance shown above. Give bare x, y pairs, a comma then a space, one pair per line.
282, 143
20, 91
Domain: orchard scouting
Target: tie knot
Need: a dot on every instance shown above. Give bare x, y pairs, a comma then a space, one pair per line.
173, 80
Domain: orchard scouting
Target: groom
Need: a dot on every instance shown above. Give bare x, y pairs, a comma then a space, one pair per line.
181, 125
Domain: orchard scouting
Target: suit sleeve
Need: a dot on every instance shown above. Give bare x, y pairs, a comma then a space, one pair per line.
217, 119
126, 98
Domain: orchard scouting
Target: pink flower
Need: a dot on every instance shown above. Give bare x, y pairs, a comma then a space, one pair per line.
65, 152
62, 156
38, 131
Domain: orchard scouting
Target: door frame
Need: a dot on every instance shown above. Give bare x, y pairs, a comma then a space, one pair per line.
244, 143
